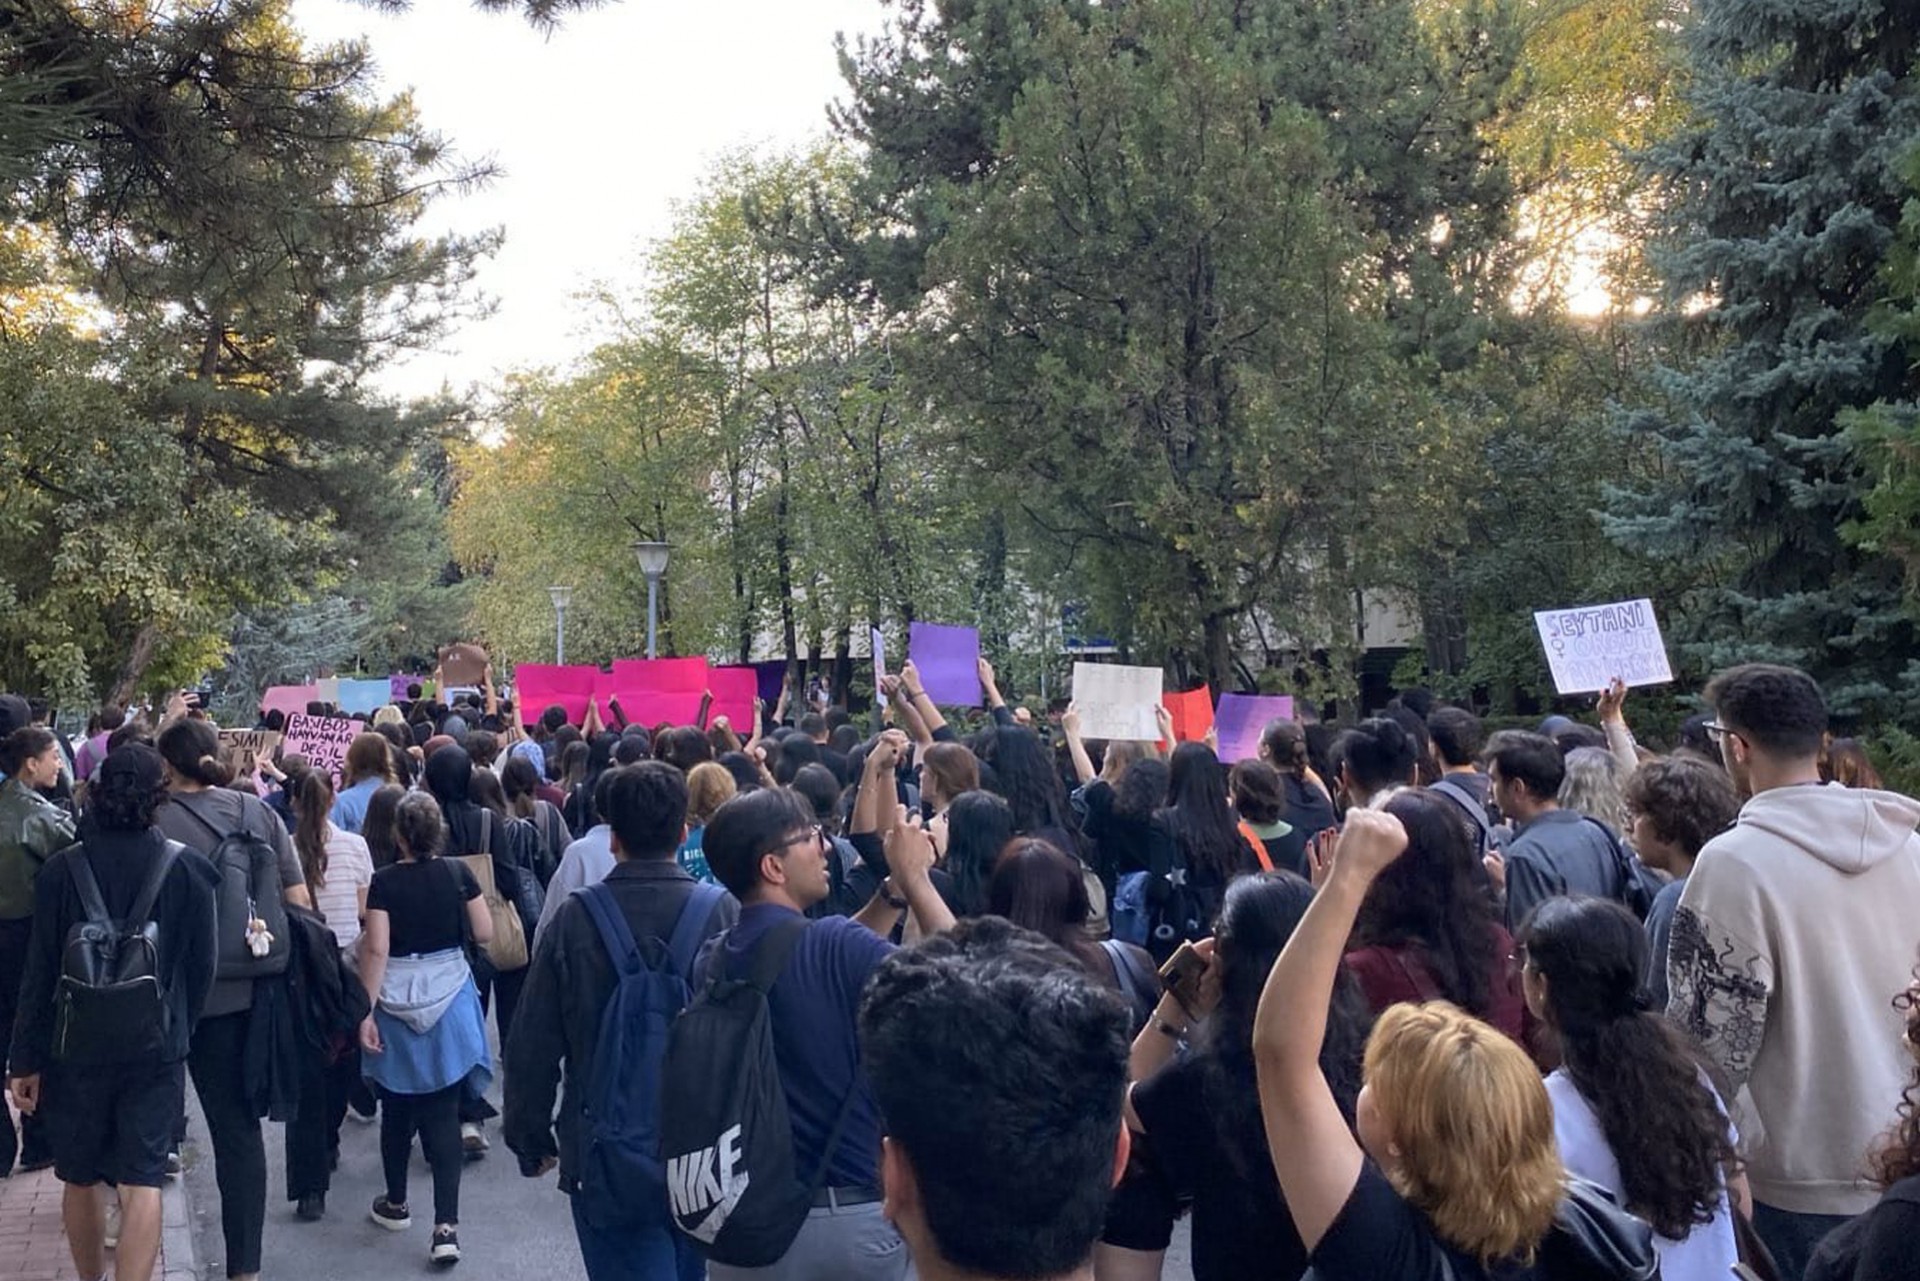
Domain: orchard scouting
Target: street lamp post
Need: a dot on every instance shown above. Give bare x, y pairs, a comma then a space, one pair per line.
653, 563
562, 597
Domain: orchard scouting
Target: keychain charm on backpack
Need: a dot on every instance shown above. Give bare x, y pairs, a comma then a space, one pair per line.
259, 937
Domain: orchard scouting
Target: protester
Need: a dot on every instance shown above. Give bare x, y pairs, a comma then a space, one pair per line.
1208, 847
709, 786
112, 1121
1878, 1245
426, 1041
1283, 745
1427, 930
368, 768
1455, 736
1632, 1107
1259, 801
767, 850
1454, 1173
377, 829
1039, 888
1377, 758
1554, 851
986, 1176
1678, 805
32, 830
586, 862
1846, 762
1783, 942
569, 987
520, 780
1198, 1141
94, 750
1593, 787
338, 870
979, 828
259, 870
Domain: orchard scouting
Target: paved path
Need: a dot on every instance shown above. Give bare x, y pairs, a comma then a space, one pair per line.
511, 1229
33, 1245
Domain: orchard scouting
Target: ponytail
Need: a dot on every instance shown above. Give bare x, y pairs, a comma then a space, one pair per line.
192, 749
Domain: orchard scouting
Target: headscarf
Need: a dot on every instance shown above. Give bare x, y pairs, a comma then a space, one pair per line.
449, 780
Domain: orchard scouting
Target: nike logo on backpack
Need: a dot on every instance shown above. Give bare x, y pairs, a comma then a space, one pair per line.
710, 1182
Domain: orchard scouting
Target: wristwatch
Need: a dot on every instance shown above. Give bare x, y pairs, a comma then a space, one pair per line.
890, 898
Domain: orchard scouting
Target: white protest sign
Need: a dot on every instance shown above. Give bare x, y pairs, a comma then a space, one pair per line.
1589, 646
879, 644
1118, 703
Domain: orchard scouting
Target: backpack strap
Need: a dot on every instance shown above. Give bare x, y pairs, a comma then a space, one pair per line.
769, 957
695, 915
1465, 800
1127, 968
204, 821
1252, 838
150, 892
615, 936
84, 881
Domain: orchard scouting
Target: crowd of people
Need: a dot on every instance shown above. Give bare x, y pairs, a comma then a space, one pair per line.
804, 1002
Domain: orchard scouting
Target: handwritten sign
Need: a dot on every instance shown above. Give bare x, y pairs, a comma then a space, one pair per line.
1242, 718
323, 740
242, 750
1588, 647
1118, 703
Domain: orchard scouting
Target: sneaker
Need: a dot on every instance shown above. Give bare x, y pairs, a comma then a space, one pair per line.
36, 1163
313, 1207
473, 1140
364, 1118
173, 1161
113, 1222
394, 1218
446, 1248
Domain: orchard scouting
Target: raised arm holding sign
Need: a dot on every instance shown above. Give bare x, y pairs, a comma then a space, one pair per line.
1589, 646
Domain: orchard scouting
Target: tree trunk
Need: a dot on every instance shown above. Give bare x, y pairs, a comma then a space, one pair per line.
134, 669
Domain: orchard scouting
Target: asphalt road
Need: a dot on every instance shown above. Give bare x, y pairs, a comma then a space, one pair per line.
511, 1229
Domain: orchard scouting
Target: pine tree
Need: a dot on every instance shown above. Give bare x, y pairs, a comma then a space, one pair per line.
1780, 201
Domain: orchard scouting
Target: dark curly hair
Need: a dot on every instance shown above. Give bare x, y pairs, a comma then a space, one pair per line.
1432, 899
1688, 801
1644, 1082
1899, 1157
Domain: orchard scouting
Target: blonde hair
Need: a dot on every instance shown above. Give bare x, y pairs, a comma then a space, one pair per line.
709, 786
389, 715
1119, 756
1474, 1127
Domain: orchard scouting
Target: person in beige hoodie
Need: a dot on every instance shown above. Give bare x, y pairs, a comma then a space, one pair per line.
1794, 926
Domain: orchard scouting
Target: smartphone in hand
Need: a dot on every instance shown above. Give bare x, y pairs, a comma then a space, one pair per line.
1182, 975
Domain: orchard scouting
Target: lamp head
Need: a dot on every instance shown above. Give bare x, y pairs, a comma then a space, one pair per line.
653, 558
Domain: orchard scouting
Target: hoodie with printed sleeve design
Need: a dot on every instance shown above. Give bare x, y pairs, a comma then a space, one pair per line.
1794, 933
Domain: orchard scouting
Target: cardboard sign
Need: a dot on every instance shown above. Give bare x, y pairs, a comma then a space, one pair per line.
734, 691
1588, 647
463, 663
1118, 703
323, 740
948, 659
538, 686
241, 750
1242, 718
289, 700
878, 643
1192, 714
365, 697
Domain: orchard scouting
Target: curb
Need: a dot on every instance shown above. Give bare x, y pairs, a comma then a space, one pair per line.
176, 1231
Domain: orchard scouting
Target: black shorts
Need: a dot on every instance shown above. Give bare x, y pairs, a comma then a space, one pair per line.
112, 1124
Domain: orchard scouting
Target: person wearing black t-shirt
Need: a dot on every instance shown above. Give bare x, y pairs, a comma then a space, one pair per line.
1455, 1175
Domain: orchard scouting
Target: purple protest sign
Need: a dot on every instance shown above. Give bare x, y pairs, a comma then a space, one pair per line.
949, 662
397, 685
1240, 718
772, 676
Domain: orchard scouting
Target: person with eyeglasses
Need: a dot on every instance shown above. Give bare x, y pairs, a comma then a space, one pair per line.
1793, 927
768, 849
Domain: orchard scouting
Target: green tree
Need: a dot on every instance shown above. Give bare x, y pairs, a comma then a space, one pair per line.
1781, 199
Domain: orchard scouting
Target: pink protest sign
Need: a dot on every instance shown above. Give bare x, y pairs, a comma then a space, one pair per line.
734, 690
538, 686
289, 699
662, 675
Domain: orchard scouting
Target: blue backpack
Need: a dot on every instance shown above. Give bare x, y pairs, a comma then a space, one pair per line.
622, 1175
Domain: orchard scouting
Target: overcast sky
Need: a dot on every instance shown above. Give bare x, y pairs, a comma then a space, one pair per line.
598, 129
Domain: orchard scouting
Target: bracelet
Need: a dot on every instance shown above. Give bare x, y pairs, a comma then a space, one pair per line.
887, 897
1167, 1029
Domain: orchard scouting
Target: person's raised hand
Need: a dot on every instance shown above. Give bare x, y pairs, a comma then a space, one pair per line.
884, 758
1612, 699
1369, 843
1070, 721
1208, 998
910, 679
1320, 855
721, 722
910, 852
890, 687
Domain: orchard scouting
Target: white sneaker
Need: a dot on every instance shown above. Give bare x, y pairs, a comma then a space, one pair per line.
113, 1220
473, 1140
